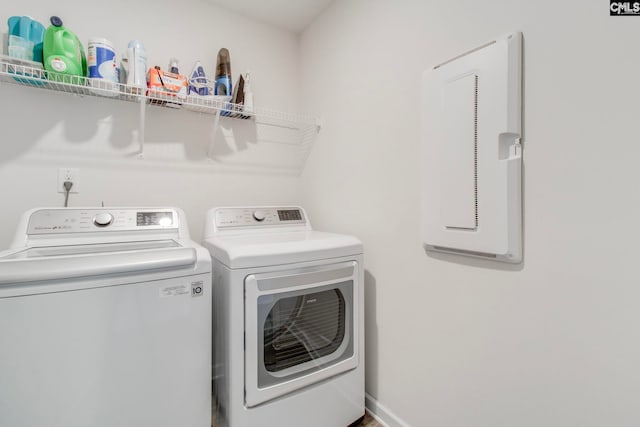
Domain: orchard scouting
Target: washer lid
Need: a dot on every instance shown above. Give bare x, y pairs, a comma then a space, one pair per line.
86, 261
266, 249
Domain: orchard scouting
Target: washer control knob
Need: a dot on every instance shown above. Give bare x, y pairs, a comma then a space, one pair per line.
259, 216
103, 219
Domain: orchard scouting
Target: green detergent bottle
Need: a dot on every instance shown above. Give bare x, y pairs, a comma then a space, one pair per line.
63, 54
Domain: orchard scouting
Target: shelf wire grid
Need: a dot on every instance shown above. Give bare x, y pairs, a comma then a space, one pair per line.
25, 73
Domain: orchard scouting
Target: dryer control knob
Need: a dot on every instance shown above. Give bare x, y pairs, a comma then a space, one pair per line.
259, 216
103, 219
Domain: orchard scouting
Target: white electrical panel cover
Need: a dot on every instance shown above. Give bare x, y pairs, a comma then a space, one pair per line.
471, 153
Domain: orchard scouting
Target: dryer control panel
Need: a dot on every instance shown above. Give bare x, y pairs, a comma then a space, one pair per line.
259, 216
57, 221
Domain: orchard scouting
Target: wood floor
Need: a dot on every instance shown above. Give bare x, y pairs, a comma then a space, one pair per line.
370, 422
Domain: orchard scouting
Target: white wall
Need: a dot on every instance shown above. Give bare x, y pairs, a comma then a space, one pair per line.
459, 342
42, 131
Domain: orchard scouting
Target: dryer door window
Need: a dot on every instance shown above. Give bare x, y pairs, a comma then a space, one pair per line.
299, 328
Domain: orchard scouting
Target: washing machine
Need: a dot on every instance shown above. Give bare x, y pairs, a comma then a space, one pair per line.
105, 321
288, 320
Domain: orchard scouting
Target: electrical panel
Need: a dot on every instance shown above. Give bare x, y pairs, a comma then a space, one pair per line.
471, 152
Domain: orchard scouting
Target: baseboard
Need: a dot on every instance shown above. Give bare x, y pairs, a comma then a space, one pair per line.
381, 413
376, 418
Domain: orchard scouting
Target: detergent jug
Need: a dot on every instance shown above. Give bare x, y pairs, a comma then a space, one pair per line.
25, 38
63, 54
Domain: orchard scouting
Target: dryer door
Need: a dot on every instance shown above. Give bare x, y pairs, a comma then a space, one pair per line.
299, 328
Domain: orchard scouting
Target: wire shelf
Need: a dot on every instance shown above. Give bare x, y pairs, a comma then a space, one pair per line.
24, 73
30, 74
27, 73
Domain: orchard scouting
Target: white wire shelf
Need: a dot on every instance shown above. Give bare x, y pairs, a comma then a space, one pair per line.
17, 72
26, 73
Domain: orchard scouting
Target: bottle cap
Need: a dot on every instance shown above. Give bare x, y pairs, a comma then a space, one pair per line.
56, 21
135, 44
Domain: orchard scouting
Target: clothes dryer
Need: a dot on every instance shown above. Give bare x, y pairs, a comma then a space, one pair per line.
288, 320
105, 321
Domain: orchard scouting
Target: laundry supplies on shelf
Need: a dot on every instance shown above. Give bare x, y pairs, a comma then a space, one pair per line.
166, 88
26, 37
63, 53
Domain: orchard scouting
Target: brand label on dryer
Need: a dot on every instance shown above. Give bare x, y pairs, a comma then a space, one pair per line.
174, 291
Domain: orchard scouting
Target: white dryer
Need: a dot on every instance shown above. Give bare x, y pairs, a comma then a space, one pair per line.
105, 321
288, 320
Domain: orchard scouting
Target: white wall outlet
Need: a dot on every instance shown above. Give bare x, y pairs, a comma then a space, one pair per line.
69, 174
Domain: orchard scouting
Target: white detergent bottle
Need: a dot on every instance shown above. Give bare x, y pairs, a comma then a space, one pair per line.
137, 59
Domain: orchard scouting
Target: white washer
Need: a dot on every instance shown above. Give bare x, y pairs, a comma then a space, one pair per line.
288, 320
105, 321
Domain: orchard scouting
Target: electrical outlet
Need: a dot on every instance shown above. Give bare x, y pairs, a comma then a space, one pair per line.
68, 174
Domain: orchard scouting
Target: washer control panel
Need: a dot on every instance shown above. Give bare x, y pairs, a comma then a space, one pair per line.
57, 221
257, 217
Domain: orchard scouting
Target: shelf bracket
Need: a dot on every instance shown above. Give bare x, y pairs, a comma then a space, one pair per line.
214, 131
141, 124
